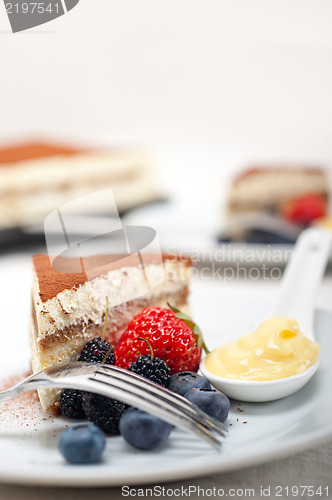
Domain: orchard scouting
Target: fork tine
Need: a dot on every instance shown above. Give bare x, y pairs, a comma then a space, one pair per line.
135, 396
165, 395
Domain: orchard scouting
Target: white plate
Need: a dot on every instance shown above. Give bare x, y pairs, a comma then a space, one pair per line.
29, 451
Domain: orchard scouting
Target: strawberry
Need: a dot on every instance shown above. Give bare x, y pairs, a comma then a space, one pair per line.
173, 336
304, 209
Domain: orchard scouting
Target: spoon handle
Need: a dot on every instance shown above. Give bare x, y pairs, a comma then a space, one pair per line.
302, 277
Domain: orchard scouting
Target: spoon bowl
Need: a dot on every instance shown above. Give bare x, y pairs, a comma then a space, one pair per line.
296, 300
258, 391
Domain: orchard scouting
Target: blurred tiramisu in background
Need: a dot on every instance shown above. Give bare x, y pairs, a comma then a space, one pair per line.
273, 204
38, 177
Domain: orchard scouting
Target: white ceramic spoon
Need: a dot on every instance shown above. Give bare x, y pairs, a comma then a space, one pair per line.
296, 300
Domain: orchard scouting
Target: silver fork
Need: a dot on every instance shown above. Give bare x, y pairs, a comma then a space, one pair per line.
128, 387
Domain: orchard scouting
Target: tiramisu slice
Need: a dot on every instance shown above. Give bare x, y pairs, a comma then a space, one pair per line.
268, 188
68, 309
273, 204
38, 177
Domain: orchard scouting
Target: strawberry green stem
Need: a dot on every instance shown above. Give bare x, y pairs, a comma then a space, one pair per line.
107, 354
150, 347
206, 350
195, 328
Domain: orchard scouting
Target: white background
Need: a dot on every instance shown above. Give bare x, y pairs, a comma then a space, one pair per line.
208, 87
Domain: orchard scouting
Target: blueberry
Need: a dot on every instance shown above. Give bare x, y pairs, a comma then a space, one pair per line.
214, 403
82, 444
182, 382
142, 430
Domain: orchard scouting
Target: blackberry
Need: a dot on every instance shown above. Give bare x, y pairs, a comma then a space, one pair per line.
96, 350
104, 412
71, 404
154, 369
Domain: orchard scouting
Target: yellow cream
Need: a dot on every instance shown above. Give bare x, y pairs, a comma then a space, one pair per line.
276, 350
325, 223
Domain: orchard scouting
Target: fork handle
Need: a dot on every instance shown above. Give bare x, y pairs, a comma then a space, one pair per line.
38, 380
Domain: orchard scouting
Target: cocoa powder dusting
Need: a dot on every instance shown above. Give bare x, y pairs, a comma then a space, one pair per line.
52, 282
32, 151
24, 410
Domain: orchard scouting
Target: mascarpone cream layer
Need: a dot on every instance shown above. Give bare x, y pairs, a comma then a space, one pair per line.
34, 174
87, 303
30, 190
267, 187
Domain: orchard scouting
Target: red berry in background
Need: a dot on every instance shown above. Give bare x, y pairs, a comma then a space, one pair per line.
305, 209
173, 336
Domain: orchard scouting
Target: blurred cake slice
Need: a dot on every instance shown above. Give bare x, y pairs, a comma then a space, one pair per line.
38, 177
68, 309
272, 204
